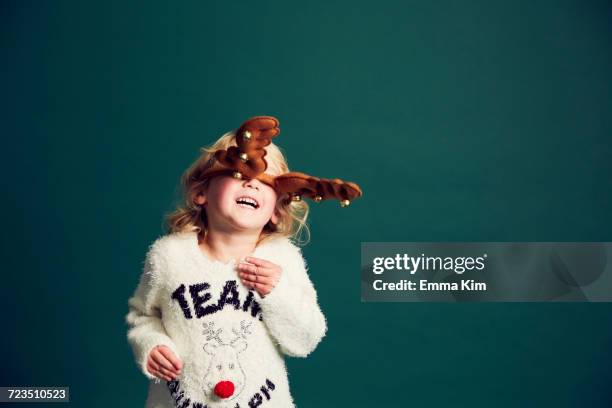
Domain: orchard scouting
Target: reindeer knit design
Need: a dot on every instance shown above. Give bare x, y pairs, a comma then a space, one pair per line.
231, 340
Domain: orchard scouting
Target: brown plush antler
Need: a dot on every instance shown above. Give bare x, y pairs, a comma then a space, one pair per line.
300, 185
247, 159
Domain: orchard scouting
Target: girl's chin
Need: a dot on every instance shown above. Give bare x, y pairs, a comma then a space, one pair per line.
248, 225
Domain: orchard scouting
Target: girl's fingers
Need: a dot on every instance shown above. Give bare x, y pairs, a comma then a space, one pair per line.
153, 366
167, 373
253, 278
259, 274
161, 360
260, 262
164, 377
172, 358
261, 288
259, 270
160, 373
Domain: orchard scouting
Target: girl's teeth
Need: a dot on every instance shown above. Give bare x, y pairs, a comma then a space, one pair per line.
251, 202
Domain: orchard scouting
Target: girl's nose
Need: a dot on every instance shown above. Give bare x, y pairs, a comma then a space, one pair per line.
252, 183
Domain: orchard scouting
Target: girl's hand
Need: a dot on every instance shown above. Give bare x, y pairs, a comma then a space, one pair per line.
164, 364
259, 274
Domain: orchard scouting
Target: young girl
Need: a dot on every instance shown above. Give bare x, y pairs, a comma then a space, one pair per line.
226, 293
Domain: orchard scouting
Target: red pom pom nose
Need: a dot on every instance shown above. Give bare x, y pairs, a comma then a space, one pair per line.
224, 389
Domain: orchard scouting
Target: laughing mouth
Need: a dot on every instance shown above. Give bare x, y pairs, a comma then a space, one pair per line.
247, 202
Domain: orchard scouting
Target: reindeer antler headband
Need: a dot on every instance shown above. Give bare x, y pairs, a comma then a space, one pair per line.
248, 160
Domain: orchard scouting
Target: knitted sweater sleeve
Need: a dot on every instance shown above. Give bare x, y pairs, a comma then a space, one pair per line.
145, 327
291, 311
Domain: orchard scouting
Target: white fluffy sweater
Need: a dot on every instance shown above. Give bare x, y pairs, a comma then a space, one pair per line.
230, 339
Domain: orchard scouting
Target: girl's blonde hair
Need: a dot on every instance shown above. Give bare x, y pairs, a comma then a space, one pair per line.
188, 216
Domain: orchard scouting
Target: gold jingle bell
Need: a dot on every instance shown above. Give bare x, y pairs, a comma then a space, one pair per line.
344, 203
237, 175
296, 197
318, 198
247, 135
244, 157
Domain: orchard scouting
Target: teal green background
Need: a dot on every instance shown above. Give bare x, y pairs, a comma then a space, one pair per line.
461, 121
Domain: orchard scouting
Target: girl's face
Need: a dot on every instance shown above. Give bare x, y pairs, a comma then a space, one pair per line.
235, 204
